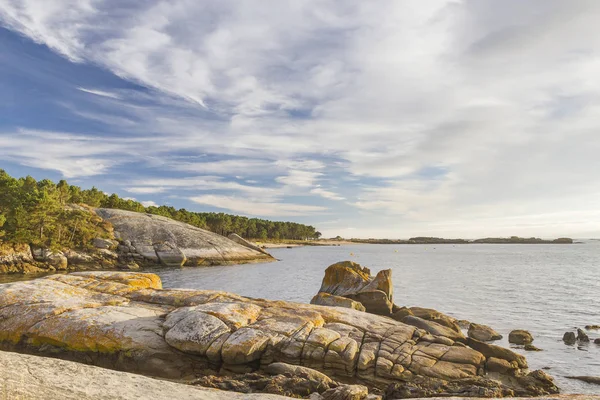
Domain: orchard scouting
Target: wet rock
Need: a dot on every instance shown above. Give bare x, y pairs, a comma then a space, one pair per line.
587, 379
592, 327
520, 336
326, 299
569, 338
582, 336
530, 347
597, 341
483, 333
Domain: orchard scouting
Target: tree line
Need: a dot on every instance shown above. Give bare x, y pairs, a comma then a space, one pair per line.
38, 213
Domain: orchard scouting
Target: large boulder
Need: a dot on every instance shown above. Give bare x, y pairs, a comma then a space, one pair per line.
520, 336
569, 338
348, 279
125, 321
483, 333
153, 239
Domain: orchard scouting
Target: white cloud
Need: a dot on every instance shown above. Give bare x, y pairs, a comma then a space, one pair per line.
503, 96
257, 207
100, 93
149, 203
326, 194
299, 178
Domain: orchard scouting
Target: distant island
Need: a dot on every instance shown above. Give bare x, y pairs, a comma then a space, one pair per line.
437, 240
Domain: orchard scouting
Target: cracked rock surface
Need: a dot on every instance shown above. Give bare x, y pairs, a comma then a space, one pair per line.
126, 321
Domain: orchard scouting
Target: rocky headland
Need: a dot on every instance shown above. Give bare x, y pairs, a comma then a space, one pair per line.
125, 321
134, 240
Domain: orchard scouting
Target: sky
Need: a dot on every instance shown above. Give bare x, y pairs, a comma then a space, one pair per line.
395, 118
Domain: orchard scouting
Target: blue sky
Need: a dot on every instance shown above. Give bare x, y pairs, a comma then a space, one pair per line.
450, 118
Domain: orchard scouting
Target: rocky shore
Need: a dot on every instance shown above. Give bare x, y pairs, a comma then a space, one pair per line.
41, 378
125, 321
138, 240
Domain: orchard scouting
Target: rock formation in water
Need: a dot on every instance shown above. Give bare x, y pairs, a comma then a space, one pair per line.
569, 338
125, 321
483, 333
520, 336
139, 240
348, 279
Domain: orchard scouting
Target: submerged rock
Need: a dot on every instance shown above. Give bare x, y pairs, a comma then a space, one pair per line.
520, 336
569, 338
125, 321
483, 333
582, 336
530, 347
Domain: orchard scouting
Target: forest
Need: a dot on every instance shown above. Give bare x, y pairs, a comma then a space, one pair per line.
41, 213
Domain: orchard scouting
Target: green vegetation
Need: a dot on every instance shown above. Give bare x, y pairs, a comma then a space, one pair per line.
39, 213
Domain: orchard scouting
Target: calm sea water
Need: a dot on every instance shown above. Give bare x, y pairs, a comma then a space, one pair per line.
546, 289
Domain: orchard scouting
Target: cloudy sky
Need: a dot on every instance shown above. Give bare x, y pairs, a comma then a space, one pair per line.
392, 118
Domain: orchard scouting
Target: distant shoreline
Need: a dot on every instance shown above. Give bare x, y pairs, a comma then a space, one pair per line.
415, 240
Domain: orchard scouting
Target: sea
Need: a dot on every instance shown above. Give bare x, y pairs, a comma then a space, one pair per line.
547, 289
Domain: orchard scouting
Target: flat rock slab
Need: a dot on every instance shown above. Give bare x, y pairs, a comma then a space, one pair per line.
173, 243
40, 378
